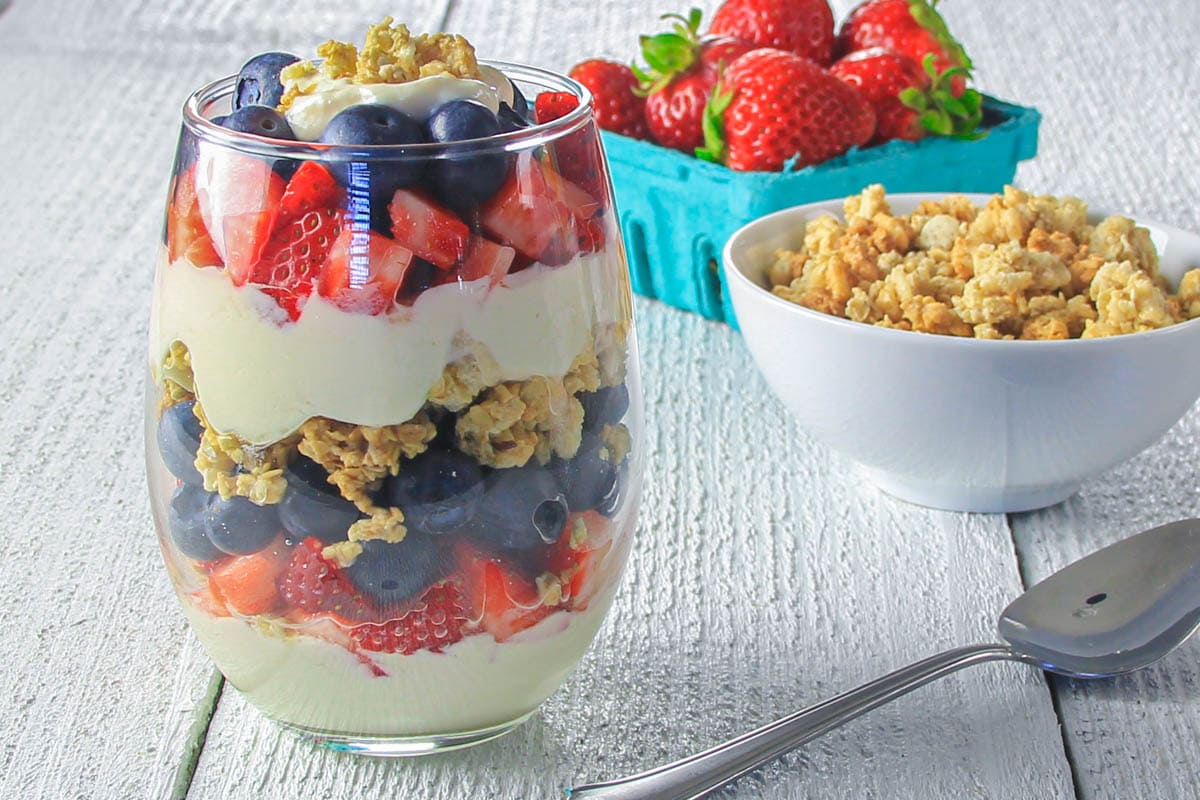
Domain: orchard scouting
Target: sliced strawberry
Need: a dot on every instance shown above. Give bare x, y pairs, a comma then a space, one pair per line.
434, 623
528, 211
309, 219
314, 584
577, 560
186, 235
239, 198
587, 210
501, 599
364, 271
246, 584
549, 106
577, 154
486, 259
428, 229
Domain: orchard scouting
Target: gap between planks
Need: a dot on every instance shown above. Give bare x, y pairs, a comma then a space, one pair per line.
1051, 684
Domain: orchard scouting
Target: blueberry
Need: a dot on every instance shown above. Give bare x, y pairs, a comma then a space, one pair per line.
605, 406
312, 506
510, 120
588, 477
519, 106
466, 179
439, 491
374, 124
178, 439
611, 503
259, 120
186, 520
522, 508
258, 81
392, 573
239, 527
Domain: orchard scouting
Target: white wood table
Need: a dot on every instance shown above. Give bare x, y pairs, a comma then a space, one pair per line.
766, 575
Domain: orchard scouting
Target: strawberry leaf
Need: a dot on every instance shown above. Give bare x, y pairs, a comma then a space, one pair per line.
914, 98
713, 124
669, 54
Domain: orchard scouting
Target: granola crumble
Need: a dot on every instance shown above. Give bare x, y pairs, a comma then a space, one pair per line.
1020, 267
234, 468
519, 420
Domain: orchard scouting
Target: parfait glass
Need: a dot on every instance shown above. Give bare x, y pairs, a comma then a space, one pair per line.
393, 420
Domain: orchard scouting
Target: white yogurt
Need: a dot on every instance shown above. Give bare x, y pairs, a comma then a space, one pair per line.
476, 683
325, 98
261, 376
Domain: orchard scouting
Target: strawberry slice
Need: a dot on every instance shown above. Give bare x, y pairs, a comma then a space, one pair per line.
586, 208
364, 271
485, 259
577, 154
309, 219
314, 584
577, 561
502, 600
428, 229
239, 197
246, 584
528, 211
434, 623
186, 235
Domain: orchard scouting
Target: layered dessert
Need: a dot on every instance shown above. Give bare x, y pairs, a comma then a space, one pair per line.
394, 423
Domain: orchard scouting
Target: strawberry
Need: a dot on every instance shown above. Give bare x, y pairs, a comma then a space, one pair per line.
909, 102
679, 77
486, 259
577, 154
309, 219
803, 27
246, 584
314, 584
434, 623
911, 27
499, 598
527, 212
577, 561
186, 235
776, 108
428, 229
364, 271
615, 105
239, 197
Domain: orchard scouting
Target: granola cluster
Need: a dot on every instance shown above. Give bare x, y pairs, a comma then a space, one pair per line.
1021, 267
390, 54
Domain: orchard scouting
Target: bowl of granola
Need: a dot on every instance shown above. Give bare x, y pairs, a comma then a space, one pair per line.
972, 352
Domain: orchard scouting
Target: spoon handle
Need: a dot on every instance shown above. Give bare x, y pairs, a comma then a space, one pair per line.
697, 775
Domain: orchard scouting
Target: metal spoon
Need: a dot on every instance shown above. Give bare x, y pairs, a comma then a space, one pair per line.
1115, 611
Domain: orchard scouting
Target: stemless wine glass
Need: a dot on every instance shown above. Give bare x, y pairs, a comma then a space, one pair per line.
394, 427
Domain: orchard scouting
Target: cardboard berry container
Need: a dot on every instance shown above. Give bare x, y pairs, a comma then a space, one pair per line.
676, 212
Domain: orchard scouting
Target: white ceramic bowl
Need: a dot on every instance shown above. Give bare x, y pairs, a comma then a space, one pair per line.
963, 424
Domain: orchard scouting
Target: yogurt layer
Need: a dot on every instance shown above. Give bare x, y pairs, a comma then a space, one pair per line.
261, 376
324, 98
476, 683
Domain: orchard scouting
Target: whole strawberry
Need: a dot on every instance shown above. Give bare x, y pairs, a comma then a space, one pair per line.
617, 107
910, 101
775, 108
803, 27
912, 27
680, 73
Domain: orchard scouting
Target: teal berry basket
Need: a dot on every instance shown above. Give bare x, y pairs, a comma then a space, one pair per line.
676, 211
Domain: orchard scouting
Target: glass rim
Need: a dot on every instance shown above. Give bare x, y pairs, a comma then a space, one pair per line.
536, 135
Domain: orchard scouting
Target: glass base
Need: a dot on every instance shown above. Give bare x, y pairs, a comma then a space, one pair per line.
404, 746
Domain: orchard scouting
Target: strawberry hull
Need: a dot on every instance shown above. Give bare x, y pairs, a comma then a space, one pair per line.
676, 211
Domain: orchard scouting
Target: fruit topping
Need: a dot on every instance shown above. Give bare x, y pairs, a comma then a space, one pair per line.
317, 585
783, 110
239, 197
178, 438
803, 27
431, 231
486, 259
260, 121
521, 508
364, 271
438, 491
186, 235
577, 155
389, 574
246, 584
434, 623
588, 477
911, 27
578, 555
465, 180
186, 518
258, 80
238, 526
375, 124
312, 507
615, 104
527, 212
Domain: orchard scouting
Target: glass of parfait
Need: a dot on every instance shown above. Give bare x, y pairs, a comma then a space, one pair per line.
394, 431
